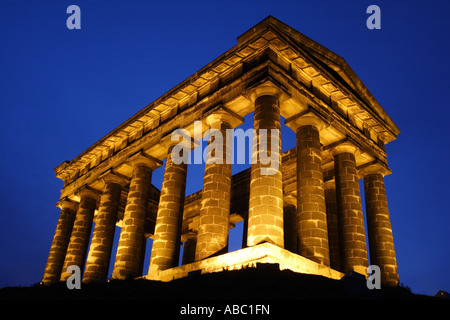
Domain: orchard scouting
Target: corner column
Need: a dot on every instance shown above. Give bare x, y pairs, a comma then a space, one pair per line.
381, 241
81, 232
265, 214
99, 256
129, 255
212, 236
60, 242
352, 237
166, 243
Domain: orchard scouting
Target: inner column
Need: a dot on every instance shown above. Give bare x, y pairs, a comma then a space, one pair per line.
265, 216
131, 242
212, 236
312, 218
290, 223
166, 243
352, 237
332, 223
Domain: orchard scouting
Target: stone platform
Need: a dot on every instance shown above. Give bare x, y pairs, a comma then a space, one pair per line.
249, 257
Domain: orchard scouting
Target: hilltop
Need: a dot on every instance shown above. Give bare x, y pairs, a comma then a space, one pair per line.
264, 283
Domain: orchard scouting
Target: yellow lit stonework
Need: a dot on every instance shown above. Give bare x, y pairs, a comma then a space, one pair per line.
247, 258
305, 215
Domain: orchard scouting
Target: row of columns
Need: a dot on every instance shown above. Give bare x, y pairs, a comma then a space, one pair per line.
71, 240
327, 223
330, 222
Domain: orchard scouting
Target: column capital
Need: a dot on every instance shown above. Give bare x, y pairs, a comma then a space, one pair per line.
189, 235
345, 147
110, 176
89, 192
290, 199
374, 167
305, 118
66, 203
329, 184
185, 139
268, 88
141, 158
223, 114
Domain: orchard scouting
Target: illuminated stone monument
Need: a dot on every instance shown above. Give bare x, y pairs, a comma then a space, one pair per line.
305, 214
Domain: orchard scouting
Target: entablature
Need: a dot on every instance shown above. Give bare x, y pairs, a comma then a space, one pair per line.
274, 53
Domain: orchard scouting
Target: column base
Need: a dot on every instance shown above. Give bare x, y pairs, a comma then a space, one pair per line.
249, 257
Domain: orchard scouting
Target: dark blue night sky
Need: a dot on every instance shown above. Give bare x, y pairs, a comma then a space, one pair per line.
62, 90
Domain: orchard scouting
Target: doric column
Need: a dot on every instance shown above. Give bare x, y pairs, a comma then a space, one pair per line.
311, 208
81, 232
99, 256
265, 215
189, 248
212, 237
332, 223
60, 242
245, 231
352, 238
381, 241
166, 242
290, 223
129, 255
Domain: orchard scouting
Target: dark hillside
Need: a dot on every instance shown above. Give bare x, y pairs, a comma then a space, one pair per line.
266, 282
